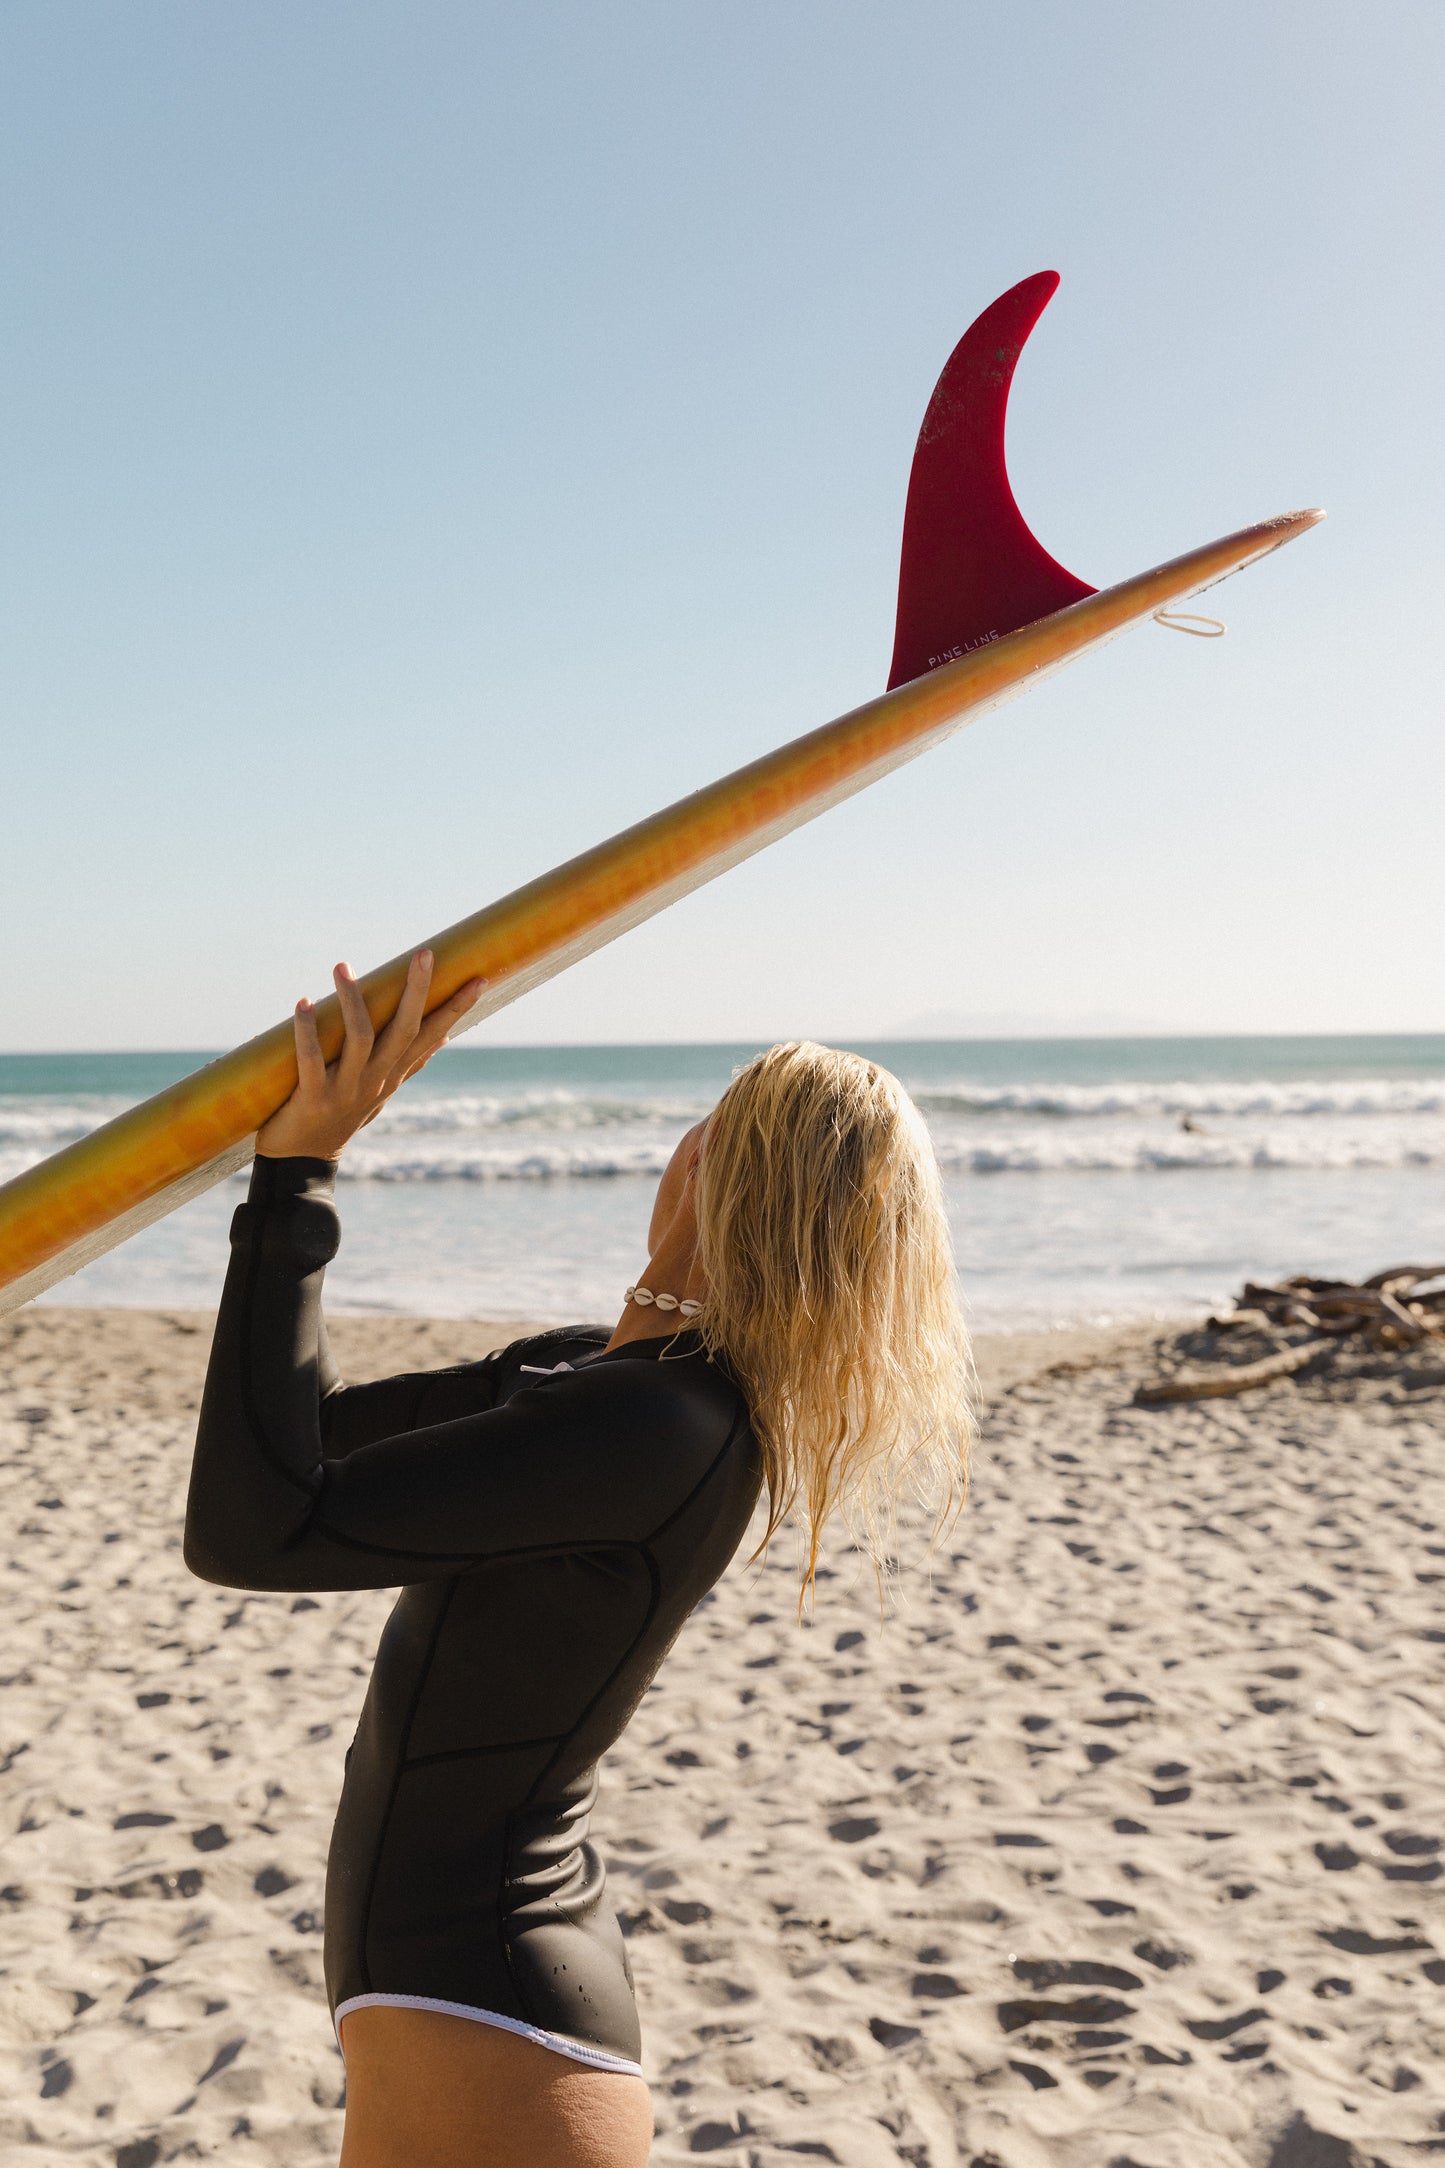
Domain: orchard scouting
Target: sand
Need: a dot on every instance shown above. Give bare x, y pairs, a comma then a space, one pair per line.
1118, 1846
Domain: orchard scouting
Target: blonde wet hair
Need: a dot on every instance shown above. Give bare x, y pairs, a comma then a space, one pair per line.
831, 1295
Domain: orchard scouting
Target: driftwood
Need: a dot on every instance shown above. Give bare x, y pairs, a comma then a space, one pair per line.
1394, 1309
1238, 1378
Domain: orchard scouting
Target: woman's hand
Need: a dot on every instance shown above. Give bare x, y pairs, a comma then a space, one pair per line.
329, 1105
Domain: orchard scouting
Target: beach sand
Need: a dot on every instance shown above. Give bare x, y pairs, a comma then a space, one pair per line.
1117, 1846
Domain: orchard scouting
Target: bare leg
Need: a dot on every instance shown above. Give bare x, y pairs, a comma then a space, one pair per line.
428, 2091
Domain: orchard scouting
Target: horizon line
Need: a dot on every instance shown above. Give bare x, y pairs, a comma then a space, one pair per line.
1153, 1035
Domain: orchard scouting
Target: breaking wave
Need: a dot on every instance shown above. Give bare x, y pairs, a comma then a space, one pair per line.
1291, 1101
1022, 1153
560, 1135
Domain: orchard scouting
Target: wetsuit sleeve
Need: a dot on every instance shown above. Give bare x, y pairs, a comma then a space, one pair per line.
265, 1414
574, 1460
353, 1415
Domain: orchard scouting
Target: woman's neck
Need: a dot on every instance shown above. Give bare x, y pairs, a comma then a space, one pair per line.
671, 1270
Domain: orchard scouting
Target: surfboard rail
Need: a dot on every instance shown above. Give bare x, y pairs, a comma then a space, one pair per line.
95, 1193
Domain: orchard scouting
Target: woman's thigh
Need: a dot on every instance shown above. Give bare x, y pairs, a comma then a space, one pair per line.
428, 2091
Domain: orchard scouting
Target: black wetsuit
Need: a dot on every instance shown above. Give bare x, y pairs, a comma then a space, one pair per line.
551, 1533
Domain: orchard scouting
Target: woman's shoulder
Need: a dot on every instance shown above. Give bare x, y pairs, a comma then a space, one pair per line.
672, 1385
561, 1347
469, 1388
647, 1427
674, 1399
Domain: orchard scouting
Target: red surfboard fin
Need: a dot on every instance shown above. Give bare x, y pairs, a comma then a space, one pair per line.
971, 569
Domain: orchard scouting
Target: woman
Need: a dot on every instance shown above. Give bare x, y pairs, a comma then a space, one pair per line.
552, 1514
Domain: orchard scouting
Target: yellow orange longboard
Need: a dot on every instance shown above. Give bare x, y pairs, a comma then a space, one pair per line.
974, 651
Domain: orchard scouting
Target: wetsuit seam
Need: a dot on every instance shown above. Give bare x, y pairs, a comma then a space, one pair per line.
248, 1401
423, 1674
497, 1746
654, 1573
465, 1560
505, 1881
654, 1577
703, 1480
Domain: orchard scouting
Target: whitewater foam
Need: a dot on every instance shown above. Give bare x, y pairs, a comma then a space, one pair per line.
559, 1135
1295, 1100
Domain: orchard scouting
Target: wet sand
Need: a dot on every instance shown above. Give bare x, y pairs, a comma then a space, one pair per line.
1117, 1846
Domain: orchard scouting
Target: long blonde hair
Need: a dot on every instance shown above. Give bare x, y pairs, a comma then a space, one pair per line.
830, 1294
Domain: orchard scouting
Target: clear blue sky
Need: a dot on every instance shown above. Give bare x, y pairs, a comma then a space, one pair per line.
436, 435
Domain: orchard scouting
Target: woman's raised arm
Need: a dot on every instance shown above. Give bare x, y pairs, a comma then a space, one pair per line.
577, 1459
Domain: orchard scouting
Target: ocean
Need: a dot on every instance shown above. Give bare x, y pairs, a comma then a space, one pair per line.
1087, 1180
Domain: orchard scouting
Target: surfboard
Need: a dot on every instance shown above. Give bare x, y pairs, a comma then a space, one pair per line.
983, 614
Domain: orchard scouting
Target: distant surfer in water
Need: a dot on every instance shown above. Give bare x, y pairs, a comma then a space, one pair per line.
552, 1514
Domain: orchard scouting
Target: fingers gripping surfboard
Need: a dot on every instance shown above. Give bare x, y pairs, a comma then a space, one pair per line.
983, 613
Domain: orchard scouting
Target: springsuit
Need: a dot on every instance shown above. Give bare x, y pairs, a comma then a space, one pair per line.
551, 1515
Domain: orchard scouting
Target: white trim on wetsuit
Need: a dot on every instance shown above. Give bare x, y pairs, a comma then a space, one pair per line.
597, 2058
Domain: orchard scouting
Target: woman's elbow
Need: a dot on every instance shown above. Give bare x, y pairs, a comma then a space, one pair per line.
207, 1558
216, 1551
216, 1555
